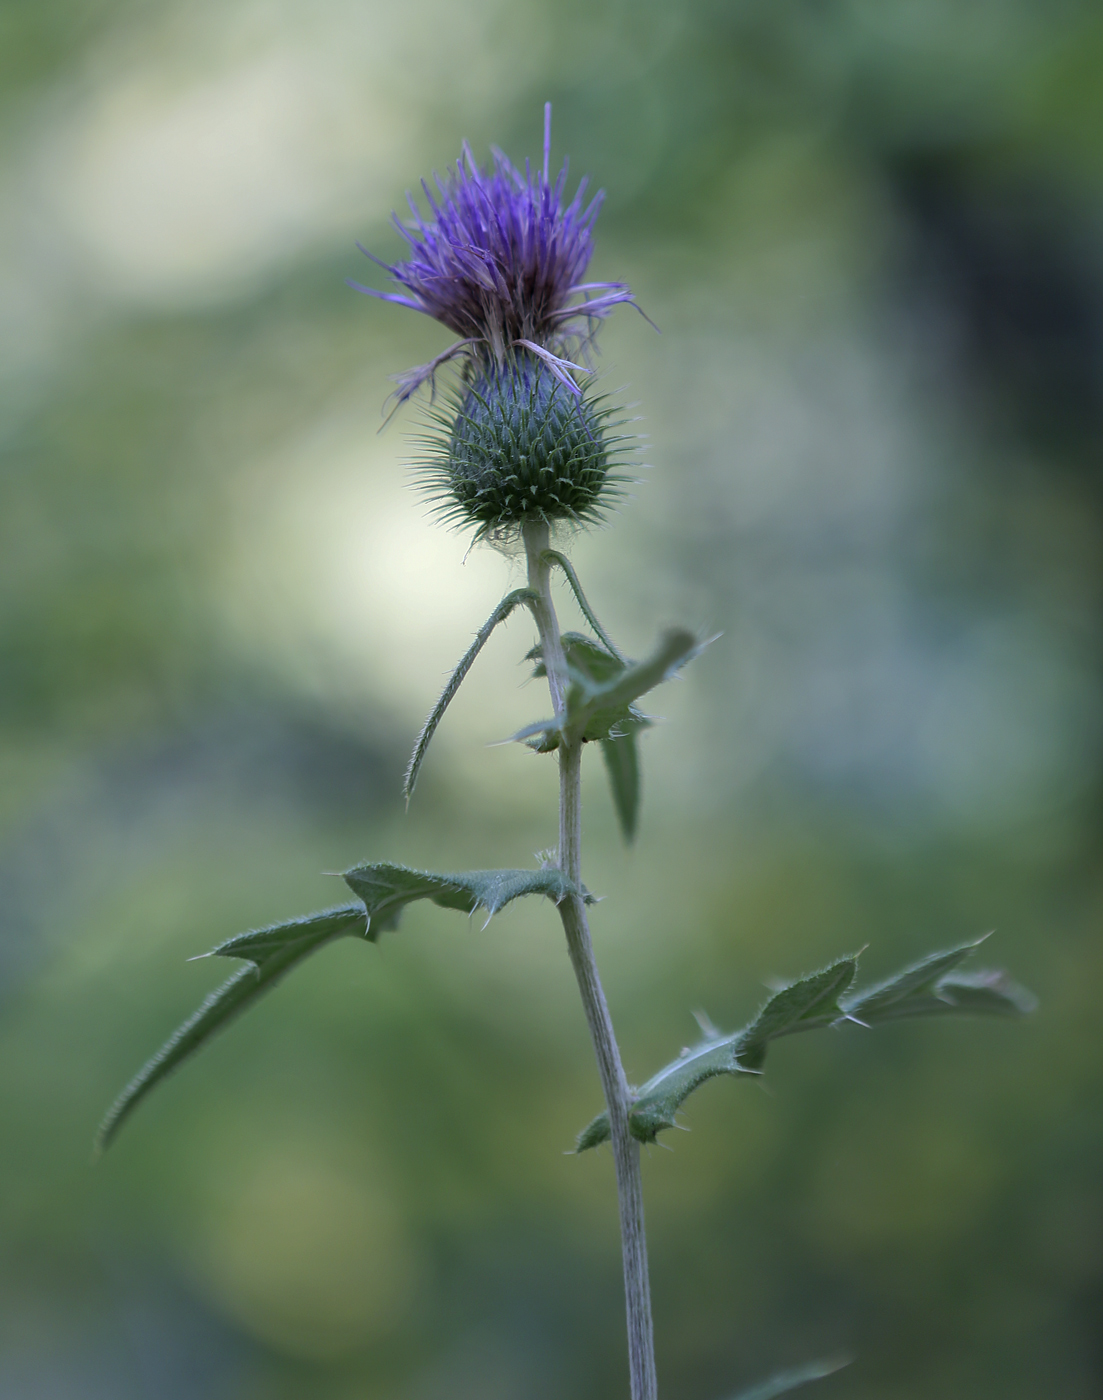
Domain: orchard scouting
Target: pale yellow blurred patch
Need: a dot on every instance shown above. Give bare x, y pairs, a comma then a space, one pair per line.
311, 1259
333, 556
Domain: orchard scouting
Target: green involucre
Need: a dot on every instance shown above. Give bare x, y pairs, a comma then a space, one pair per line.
516, 445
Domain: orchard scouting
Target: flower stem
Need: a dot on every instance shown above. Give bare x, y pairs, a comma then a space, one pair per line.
572, 911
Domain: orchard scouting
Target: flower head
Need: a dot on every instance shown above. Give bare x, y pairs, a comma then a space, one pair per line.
500, 261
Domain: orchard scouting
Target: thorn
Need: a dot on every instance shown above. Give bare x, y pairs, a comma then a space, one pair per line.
846, 1016
708, 1030
199, 957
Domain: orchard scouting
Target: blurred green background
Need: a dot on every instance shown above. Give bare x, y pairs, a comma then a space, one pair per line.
870, 234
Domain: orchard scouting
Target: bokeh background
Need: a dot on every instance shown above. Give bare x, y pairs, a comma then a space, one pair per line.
870, 234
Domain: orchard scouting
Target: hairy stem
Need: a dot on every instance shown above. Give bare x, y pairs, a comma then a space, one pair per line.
572, 911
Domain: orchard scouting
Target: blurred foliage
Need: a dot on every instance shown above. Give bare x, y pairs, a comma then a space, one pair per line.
870, 235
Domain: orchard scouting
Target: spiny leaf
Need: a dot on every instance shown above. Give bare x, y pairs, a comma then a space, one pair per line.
387, 889
270, 952
802, 1006
930, 987
790, 1380
384, 891
500, 613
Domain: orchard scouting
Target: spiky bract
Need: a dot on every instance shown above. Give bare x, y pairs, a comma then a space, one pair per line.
514, 445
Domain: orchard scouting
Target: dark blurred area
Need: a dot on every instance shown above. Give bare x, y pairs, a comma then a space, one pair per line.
871, 238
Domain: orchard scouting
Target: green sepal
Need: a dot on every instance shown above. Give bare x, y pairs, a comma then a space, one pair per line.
930, 987
387, 889
270, 952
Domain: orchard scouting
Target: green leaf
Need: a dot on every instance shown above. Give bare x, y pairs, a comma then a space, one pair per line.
804, 1005
986, 992
622, 764
591, 664
554, 557
589, 700
602, 689
790, 1380
801, 1006
500, 613
384, 891
270, 952
930, 987
387, 889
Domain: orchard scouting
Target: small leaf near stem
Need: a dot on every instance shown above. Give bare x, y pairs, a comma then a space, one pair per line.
500, 613
930, 987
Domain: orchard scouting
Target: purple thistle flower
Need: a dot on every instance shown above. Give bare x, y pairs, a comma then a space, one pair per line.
501, 263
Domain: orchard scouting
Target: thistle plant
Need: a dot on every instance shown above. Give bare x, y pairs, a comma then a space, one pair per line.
519, 448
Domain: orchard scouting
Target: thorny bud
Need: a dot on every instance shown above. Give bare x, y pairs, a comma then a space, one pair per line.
514, 445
